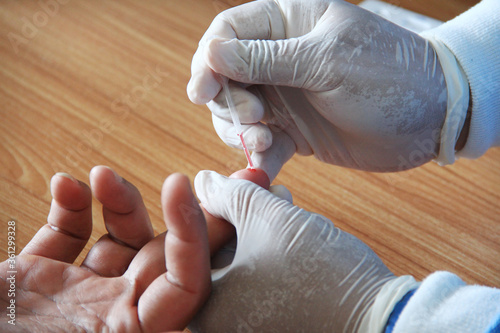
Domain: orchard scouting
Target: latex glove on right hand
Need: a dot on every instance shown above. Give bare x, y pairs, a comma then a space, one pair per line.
342, 83
292, 270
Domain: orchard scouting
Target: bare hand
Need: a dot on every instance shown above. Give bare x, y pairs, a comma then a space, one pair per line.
130, 280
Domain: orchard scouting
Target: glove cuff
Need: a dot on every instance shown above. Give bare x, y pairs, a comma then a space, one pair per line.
458, 100
389, 295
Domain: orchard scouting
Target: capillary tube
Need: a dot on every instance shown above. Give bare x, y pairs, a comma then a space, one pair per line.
236, 119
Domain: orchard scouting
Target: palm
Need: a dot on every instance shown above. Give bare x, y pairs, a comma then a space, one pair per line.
68, 298
122, 284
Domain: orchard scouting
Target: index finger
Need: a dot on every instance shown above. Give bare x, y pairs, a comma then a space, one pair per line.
254, 20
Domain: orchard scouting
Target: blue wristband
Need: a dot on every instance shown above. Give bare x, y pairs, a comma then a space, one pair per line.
495, 326
393, 318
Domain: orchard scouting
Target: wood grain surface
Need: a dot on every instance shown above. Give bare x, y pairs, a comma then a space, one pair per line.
104, 82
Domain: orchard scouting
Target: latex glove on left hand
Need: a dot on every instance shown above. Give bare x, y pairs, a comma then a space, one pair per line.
292, 270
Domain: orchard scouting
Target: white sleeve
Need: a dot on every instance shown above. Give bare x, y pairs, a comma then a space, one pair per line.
474, 39
444, 303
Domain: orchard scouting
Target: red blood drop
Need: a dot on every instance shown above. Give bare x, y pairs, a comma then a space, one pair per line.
255, 175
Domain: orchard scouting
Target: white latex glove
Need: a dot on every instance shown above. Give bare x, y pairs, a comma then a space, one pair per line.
292, 270
342, 83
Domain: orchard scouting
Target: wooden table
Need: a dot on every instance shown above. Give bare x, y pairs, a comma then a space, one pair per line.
63, 105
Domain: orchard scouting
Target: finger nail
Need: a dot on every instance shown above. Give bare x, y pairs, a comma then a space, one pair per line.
218, 38
212, 37
260, 138
117, 176
67, 175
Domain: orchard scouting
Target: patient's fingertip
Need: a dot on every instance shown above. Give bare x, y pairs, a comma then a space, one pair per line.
255, 175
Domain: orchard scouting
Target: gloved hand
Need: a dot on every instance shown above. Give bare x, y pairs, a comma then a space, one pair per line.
342, 83
292, 270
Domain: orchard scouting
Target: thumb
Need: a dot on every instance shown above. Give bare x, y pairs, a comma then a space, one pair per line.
284, 62
272, 160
